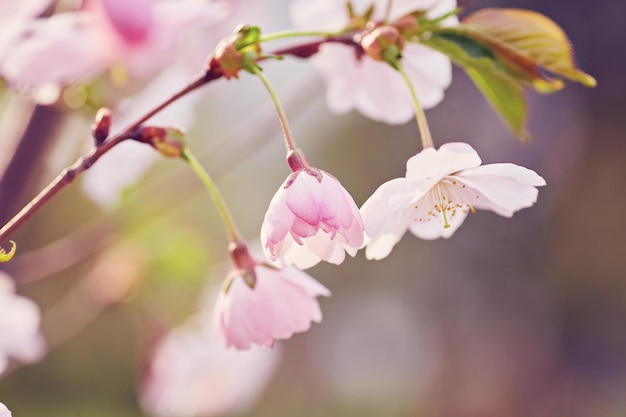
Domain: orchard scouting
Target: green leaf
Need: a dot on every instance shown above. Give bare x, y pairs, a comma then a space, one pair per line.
504, 93
527, 42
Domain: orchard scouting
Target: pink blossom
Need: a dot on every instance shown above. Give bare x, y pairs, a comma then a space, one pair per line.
282, 302
311, 218
440, 188
19, 326
139, 36
373, 87
191, 374
15, 17
4, 411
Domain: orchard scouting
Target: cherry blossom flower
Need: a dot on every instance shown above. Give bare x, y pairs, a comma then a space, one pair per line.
261, 303
19, 326
15, 17
138, 36
311, 218
191, 374
4, 411
440, 188
373, 87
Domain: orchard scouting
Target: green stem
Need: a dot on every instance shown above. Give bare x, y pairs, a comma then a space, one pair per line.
295, 34
420, 117
227, 218
289, 142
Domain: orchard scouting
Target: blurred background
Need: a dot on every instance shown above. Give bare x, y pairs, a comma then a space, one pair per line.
510, 317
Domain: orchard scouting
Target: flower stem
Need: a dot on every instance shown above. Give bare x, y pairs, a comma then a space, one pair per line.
85, 162
420, 117
388, 11
227, 218
294, 34
289, 142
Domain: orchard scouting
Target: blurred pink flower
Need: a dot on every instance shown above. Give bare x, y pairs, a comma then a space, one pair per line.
19, 326
440, 188
15, 17
139, 36
311, 218
373, 87
4, 411
281, 303
191, 374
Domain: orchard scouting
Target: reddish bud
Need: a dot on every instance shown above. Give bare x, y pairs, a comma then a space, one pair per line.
169, 141
101, 125
227, 58
379, 41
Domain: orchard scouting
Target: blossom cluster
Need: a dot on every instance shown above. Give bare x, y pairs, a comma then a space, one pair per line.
311, 218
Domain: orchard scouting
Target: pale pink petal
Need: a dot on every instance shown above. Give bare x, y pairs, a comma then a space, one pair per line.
4, 411
300, 199
379, 245
309, 220
304, 280
372, 87
191, 374
19, 326
244, 316
434, 226
440, 189
449, 158
430, 73
503, 188
63, 49
280, 304
132, 19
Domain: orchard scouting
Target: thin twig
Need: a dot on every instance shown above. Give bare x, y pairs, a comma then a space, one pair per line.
85, 162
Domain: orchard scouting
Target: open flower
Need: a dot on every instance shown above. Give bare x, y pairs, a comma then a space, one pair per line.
440, 188
4, 411
373, 87
260, 303
311, 218
19, 326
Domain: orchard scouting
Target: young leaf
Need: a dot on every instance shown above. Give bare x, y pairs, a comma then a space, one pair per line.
504, 93
526, 42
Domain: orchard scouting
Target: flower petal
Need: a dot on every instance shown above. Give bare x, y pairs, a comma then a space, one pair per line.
449, 158
502, 188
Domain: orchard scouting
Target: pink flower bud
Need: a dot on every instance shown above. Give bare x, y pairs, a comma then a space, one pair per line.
311, 218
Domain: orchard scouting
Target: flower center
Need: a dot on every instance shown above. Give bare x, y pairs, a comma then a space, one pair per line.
446, 199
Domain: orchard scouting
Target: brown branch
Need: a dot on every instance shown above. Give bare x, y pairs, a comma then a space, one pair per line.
85, 162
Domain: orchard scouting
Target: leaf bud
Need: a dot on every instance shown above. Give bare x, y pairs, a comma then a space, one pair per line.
236, 51
168, 141
383, 44
101, 125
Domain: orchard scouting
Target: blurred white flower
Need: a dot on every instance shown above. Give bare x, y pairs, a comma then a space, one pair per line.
4, 411
19, 326
192, 374
373, 87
